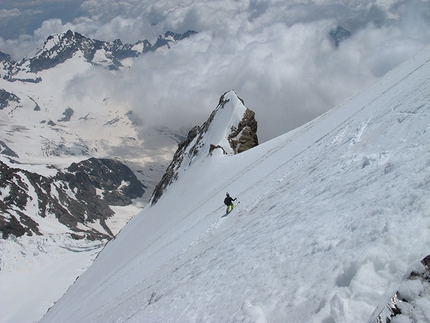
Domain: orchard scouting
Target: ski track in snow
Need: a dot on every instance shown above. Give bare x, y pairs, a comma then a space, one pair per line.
332, 217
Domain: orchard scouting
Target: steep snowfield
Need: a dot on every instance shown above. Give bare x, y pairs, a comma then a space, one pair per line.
330, 219
37, 270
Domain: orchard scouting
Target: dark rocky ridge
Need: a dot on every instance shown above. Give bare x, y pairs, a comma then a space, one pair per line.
339, 34
71, 196
245, 136
5, 150
6, 98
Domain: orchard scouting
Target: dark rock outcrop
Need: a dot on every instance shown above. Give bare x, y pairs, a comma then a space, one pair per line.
245, 136
68, 113
339, 34
118, 181
6, 98
401, 304
170, 37
5, 150
77, 196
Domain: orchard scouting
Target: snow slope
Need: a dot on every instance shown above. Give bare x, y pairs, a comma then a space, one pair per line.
331, 219
37, 270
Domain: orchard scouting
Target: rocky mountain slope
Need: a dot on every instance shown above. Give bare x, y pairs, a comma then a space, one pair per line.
78, 197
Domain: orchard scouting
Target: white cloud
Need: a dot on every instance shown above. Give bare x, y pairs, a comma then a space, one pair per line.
288, 75
9, 14
276, 54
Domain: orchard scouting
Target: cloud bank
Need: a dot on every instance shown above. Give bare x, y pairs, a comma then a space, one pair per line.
277, 55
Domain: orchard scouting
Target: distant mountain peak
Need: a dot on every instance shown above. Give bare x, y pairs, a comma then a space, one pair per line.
231, 128
60, 47
339, 34
170, 37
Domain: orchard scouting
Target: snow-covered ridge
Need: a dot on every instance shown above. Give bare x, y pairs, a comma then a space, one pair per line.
331, 218
230, 129
61, 47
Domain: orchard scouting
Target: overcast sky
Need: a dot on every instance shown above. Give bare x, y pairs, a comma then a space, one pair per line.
276, 54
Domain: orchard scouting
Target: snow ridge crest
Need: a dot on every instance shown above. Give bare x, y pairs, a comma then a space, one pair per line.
231, 128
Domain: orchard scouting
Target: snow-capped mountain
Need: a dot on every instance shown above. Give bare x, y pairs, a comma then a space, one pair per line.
59, 48
74, 169
78, 197
38, 123
330, 220
41, 119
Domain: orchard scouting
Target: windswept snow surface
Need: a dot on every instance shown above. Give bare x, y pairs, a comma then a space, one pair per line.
331, 218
